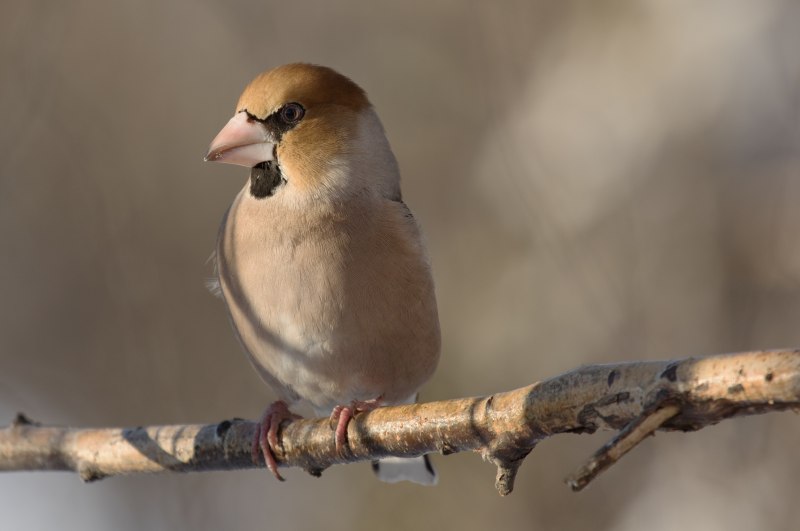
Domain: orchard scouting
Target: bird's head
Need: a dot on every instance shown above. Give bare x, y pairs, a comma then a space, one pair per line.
308, 131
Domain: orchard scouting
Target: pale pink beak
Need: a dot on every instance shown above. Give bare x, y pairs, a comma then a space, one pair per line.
242, 141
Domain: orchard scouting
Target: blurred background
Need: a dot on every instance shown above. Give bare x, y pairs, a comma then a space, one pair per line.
597, 181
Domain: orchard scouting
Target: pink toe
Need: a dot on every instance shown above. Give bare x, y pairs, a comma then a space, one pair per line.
345, 415
266, 436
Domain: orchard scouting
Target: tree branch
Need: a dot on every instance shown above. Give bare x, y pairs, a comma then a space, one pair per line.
637, 398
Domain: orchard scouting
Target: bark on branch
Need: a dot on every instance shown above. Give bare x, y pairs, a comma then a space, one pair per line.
636, 398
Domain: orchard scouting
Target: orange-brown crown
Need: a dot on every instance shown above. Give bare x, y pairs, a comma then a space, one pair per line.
306, 84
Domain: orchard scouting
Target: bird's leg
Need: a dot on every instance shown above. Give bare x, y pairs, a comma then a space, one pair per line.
341, 416
266, 437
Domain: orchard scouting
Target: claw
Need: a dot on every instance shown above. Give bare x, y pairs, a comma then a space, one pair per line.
266, 436
342, 415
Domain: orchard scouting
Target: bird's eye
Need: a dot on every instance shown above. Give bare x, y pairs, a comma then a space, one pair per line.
291, 113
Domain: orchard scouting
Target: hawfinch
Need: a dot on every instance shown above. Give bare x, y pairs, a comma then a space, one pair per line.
319, 260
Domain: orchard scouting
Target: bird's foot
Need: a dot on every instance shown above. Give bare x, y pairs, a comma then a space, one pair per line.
266, 437
341, 416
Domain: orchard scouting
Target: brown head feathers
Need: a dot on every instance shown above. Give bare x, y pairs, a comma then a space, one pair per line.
306, 84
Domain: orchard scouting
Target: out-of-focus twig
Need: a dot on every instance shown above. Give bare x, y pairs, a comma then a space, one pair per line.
636, 398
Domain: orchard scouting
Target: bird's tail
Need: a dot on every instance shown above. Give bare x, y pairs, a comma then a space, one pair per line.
415, 469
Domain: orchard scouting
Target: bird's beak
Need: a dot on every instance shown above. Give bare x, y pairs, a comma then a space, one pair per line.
242, 141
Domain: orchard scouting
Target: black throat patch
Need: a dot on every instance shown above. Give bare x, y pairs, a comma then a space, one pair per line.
265, 178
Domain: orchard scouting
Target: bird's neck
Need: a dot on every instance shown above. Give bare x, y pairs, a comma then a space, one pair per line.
372, 163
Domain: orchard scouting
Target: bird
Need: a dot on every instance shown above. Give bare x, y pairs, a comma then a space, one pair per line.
321, 264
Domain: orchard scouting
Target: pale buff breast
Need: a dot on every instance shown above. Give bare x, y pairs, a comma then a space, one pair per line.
331, 304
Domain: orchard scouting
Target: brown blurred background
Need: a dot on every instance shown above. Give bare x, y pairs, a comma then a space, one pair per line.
598, 181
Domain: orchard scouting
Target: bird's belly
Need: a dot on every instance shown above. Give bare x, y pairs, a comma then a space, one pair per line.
328, 318
286, 319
